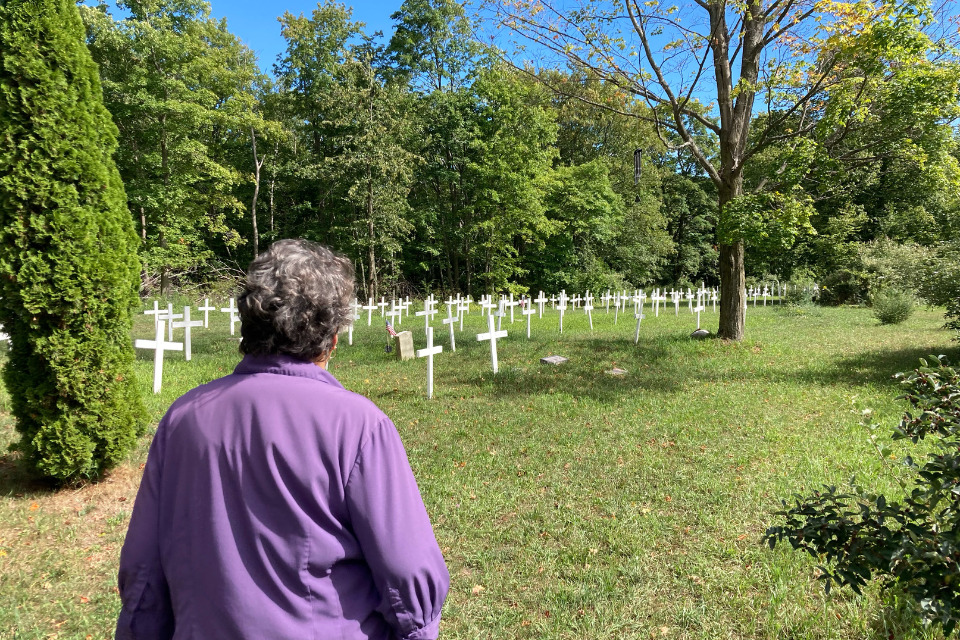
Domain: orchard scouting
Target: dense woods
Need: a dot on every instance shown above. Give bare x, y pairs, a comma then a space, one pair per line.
437, 164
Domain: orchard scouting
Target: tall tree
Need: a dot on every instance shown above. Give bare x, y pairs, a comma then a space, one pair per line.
795, 59
68, 260
182, 89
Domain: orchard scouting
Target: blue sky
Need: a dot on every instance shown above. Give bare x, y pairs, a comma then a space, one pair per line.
255, 21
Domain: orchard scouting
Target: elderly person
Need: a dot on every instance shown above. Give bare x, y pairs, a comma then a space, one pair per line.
275, 504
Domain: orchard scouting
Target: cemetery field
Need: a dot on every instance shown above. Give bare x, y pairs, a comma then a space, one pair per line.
569, 503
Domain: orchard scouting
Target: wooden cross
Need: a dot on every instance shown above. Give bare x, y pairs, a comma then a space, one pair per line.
428, 353
369, 308
450, 320
636, 334
528, 311
170, 316
206, 308
234, 318
463, 309
605, 299
562, 306
187, 325
499, 315
155, 312
395, 312
588, 308
427, 313
697, 310
541, 299
383, 304
492, 336
159, 346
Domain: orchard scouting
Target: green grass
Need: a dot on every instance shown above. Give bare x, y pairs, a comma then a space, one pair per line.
568, 503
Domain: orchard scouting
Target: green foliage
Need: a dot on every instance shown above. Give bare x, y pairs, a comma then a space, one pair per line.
913, 545
182, 89
892, 305
768, 222
68, 266
887, 263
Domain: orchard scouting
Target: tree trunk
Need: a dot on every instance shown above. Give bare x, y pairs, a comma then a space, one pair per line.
256, 192
371, 251
732, 280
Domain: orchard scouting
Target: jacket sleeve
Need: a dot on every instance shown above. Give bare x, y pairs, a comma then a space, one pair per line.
394, 532
147, 612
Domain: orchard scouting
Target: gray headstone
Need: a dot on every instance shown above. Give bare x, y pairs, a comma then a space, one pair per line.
700, 334
554, 360
403, 344
616, 371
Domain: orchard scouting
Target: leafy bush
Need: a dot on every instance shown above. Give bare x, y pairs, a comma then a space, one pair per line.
940, 282
913, 545
887, 263
893, 306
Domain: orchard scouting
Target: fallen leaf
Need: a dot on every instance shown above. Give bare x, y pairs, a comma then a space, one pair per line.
477, 588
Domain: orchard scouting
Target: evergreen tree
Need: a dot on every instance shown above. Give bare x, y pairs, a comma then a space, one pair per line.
68, 265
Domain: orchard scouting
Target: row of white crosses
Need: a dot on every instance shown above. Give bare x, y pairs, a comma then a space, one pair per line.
165, 321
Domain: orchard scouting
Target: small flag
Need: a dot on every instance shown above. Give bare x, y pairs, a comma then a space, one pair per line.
391, 330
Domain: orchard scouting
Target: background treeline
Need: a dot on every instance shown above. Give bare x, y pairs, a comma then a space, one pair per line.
437, 167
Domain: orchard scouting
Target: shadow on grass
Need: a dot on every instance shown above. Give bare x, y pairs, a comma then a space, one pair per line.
16, 481
875, 367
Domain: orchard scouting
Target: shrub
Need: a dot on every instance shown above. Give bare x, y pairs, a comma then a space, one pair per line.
940, 282
893, 306
911, 546
887, 263
68, 265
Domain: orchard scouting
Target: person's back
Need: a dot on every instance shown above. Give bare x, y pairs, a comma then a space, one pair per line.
276, 504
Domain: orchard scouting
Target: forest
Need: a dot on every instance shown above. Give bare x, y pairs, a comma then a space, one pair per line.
439, 164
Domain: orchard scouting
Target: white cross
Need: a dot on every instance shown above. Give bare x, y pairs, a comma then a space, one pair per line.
528, 311
427, 313
499, 315
713, 298
369, 308
187, 325
540, 301
383, 304
492, 336
428, 353
617, 301
588, 308
206, 308
697, 310
636, 334
395, 312
159, 346
562, 306
170, 316
450, 320
155, 312
605, 299
512, 305
234, 318
766, 292
463, 309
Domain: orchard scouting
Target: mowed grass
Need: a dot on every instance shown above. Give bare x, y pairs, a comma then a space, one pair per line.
569, 503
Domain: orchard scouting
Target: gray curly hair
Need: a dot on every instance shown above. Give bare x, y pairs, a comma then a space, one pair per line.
295, 300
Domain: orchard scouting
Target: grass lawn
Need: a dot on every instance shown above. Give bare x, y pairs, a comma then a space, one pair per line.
569, 503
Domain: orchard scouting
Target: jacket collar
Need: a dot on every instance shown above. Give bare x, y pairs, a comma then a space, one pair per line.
285, 365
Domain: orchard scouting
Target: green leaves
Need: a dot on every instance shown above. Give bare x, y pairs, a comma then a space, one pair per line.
68, 268
913, 545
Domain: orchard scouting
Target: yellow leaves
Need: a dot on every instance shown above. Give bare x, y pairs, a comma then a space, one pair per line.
477, 589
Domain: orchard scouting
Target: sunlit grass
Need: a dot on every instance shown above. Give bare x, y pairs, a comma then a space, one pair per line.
569, 503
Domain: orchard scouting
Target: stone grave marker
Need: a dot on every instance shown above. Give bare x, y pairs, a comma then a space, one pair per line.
403, 344
554, 360
492, 336
159, 346
428, 353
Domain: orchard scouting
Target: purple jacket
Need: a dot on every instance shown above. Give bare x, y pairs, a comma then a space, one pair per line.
276, 504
